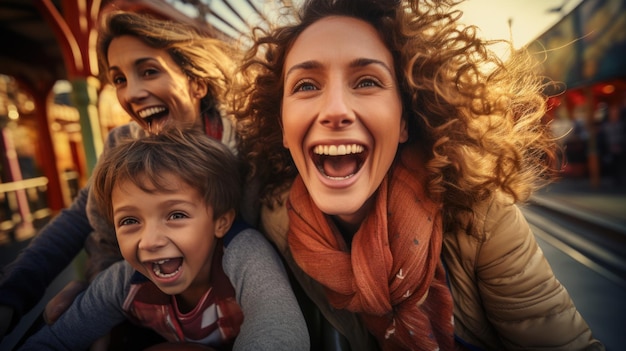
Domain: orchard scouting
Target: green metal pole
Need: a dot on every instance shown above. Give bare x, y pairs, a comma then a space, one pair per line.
85, 97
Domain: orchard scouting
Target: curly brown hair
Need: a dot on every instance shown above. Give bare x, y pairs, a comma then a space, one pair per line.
476, 117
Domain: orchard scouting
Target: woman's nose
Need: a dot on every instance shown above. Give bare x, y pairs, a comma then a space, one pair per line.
134, 91
335, 110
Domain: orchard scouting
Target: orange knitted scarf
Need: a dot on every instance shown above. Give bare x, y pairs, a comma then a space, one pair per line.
392, 276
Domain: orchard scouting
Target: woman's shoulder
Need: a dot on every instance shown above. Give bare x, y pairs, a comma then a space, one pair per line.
275, 222
499, 228
486, 214
490, 211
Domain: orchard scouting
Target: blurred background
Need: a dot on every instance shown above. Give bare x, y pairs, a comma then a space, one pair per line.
55, 114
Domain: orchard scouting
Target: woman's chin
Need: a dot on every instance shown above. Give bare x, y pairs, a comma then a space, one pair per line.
347, 206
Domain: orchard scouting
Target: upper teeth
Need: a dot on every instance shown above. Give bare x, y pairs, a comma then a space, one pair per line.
156, 268
338, 150
150, 111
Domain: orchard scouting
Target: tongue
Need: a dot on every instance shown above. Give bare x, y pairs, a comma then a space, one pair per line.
340, 166
170, 266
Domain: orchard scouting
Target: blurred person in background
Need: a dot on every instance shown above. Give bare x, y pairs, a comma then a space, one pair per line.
613, 139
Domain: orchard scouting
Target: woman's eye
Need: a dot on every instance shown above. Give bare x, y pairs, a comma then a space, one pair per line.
368, 82
118, 80
149, 72
304, 85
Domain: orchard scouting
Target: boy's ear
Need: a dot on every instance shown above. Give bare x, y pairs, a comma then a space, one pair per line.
223, 223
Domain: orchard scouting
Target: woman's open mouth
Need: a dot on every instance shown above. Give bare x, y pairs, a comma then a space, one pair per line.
338, 162
154, 118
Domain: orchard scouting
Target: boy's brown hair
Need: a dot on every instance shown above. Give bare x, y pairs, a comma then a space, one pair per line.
199, 161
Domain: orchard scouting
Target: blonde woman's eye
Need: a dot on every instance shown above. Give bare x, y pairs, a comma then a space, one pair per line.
149, 72
118, 80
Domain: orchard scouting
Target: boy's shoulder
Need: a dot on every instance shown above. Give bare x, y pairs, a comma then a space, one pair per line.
244, 237
241, 230
237, 227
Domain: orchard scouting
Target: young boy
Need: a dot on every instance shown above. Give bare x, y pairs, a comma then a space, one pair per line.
191, 272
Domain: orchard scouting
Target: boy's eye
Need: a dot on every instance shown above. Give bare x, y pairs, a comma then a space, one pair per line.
127, 221
178, 215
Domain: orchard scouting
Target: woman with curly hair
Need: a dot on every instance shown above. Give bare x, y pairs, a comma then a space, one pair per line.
392, 146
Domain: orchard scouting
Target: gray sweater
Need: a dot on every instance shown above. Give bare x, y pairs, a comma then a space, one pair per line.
272, 317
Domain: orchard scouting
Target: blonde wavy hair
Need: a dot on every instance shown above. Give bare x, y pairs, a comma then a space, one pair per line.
476, 117
200, 56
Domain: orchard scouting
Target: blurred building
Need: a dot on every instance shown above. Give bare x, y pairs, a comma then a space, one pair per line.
54, 111
584, 54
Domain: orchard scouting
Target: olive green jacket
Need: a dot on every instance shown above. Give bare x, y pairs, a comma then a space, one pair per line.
506, 296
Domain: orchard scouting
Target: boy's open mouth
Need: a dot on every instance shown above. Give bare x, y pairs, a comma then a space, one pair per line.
339, 161
167, 268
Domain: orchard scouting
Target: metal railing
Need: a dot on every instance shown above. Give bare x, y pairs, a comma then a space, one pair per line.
23, 205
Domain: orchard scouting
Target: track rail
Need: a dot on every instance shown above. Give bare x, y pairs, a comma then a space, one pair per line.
588, 240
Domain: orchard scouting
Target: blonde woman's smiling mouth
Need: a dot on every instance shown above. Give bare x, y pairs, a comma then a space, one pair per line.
154, 117
339, 162
151, 111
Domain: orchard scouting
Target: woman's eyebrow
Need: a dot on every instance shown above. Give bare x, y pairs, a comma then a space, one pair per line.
306, 65
362, 62
137, 62
359, 62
